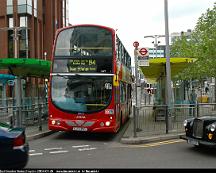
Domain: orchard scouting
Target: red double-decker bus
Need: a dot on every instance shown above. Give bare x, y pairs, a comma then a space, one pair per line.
90, 80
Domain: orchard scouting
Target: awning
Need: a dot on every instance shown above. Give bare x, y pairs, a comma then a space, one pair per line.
26, 67
7, 77
157, 67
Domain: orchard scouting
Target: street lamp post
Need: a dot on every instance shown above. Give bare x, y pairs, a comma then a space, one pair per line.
156, 41
168, 69
18, 94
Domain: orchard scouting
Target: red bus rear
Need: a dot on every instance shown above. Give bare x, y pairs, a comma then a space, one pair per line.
90, 80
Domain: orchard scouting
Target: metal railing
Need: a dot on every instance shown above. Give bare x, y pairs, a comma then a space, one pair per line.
33, 111
151, 119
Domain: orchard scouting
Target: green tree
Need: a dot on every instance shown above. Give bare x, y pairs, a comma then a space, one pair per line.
201, 46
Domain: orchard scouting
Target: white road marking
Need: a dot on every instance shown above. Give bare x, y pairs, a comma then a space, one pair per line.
35, 154
86, 149
49, 149
57, 152
80, 146
31, 151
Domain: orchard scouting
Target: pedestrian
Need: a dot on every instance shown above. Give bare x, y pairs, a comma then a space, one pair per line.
149, 91
206, 89
192, 101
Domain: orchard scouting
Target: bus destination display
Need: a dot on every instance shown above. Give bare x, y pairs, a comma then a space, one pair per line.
82, 65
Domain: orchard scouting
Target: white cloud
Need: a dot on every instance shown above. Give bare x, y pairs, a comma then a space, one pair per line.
137, 18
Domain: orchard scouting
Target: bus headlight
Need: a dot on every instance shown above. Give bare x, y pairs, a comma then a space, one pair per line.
107, 123
212, 127
53, 122
185, 123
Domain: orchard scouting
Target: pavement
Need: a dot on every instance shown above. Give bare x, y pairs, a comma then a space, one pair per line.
142, 137
35, 132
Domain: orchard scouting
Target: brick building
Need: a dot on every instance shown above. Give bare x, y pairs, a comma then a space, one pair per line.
39, 20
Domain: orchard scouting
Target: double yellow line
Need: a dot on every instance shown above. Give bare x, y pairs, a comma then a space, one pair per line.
154, 144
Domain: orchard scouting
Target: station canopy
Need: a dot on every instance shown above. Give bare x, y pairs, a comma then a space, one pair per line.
26, 67
157, 67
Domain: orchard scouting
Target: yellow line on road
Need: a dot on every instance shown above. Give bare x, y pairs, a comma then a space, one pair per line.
153, 144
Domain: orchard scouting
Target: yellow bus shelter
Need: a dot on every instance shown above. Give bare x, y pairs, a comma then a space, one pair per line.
156, 73
157, 67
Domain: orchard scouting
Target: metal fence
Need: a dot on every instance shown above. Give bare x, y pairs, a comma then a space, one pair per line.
34, 111
151, 119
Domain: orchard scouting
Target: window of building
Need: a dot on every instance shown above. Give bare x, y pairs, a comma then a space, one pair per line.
65, 13
10, 22
10, 38
23, 41
9, 7
25, 6
35, 8
9, 2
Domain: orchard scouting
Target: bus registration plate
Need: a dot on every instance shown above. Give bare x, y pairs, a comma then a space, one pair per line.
80, 129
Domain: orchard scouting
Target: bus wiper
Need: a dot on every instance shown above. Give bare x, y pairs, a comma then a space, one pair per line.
59, 75
78, 75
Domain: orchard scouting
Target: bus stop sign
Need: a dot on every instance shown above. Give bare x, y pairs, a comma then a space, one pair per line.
143, 52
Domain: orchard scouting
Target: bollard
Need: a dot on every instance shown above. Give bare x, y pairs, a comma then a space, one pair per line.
39, 117
134, 116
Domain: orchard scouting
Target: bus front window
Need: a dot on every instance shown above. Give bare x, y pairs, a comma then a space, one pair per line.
84, 41
81, 93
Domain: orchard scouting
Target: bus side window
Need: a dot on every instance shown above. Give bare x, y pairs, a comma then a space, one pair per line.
122, 93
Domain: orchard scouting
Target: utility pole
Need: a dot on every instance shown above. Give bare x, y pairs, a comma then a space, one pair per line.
156, 40
135, 108
168, 70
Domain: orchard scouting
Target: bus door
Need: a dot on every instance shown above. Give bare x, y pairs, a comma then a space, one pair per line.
117, 103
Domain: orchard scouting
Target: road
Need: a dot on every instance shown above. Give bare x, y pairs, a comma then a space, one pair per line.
65, 150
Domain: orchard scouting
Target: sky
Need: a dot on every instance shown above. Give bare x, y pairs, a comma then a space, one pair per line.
134, 19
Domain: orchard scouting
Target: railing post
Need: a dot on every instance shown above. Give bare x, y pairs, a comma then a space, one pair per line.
135, 119
197, 107
167, 119
39, 117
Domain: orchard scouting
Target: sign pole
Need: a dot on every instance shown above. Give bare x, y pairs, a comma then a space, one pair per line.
136, 44
168, 71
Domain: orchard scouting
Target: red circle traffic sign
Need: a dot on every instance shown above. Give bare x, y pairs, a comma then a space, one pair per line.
143, 51
136, 44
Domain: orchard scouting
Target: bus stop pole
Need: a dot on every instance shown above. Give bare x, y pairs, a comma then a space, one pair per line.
135, 108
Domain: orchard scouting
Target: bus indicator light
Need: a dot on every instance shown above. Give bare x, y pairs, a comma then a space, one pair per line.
109, 111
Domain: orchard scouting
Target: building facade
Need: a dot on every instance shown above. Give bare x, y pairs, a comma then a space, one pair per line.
177, 35
37, 22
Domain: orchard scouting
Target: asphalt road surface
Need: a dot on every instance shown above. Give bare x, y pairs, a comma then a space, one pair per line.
79, 151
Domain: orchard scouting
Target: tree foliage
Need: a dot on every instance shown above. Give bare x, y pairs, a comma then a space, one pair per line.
201, 45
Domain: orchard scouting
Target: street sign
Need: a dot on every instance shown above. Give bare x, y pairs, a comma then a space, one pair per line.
143, 63
10, 82
143, 51
136, 44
